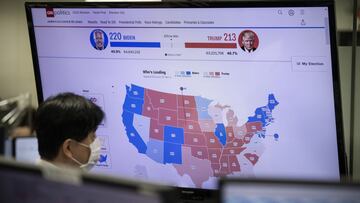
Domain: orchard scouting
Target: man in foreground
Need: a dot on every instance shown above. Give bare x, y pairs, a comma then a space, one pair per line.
65, 127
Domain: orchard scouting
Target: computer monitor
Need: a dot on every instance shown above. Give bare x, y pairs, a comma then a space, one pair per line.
25, 149
251, 191
194, 91
21, 182
144, 191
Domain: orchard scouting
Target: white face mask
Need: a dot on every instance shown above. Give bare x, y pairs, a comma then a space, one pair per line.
94, 157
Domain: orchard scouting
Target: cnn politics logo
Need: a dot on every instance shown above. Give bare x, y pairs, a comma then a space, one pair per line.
50, 13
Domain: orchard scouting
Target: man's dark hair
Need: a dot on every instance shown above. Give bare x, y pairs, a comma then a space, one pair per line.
64, 116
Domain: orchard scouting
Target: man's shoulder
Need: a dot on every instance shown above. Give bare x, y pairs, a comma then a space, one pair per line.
45, 164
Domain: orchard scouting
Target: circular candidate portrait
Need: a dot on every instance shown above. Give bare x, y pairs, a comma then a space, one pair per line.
248, 41
98, 39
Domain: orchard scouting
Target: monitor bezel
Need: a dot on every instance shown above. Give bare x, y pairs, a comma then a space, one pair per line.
209, 4
294, 182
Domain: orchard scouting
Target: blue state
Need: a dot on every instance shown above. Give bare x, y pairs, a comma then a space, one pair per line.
272, 102
135, 139
260, 116
155, 150
264, 114
135, 91
202, 105
172, 153
127, 118
173, 134
220, 133
133, 105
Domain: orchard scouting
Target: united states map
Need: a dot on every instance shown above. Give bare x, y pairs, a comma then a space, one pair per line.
189, 132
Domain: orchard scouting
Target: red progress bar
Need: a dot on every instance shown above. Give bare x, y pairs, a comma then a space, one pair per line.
210, 45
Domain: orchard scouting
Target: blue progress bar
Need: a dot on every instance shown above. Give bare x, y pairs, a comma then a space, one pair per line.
136, 44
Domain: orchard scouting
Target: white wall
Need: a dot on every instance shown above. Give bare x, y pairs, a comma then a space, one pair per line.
16, 72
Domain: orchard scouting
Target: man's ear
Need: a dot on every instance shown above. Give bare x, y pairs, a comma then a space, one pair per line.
67, 144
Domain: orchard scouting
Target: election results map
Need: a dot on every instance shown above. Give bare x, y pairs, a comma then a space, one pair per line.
197, 136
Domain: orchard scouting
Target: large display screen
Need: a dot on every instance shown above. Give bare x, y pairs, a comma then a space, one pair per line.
196, 91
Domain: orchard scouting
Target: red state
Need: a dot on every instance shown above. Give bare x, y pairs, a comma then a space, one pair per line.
247, 138
233, 150
234, 164
168, 117
214, 154
161, 99
199, 152
231, 118
212, 141
199, 170
194, 139
187, 114
216, 169
224, 166
156, 130
240, 131
189, 126
253, 158
253, 127
235, 143
207, 125
229, 134
185, 101
148, 109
